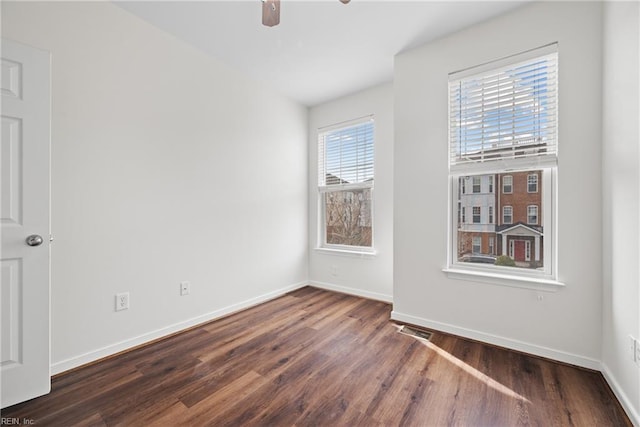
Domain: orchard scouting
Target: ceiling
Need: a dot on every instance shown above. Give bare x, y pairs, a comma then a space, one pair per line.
322, 49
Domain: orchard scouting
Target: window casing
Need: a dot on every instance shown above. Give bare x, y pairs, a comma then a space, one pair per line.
507, 215
345, 186
532, 183
476, 214
507, 184
503, 131
476, 184
532, 214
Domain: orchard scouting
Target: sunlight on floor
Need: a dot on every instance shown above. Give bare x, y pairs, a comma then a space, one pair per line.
471, 370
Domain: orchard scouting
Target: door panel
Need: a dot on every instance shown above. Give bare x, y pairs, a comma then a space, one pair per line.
24, 211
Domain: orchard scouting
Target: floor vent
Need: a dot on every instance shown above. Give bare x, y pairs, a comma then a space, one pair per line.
414, 332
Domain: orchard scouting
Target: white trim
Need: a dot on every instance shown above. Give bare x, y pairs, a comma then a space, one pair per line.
624, 400
352, 291
340, 250
100, 353
512, 344
515, 281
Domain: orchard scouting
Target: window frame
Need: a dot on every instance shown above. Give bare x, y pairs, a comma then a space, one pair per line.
504, 184
544, 277
529, 176
323, 190
475, 215
529, 215
504, 215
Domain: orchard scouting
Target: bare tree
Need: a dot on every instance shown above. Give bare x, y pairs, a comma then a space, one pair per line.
348, 217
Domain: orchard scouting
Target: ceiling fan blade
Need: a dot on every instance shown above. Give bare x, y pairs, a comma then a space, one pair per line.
271, 12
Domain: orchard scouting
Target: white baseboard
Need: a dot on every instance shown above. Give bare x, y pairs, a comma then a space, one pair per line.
512, 344
353, 291
92, 356
632, 412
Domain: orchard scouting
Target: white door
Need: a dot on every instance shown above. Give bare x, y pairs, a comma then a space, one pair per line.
24, 181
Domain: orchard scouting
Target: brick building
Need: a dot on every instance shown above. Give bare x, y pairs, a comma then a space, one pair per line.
519, 229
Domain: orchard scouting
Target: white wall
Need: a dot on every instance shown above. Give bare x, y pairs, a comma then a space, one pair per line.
565, 325
166, 166
621, 207
369, 276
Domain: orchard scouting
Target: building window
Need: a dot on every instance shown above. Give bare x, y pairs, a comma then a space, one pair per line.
476, 245
532, 214
507, 215
463, 184
476, 214
464, 217
502, 124
532, 183
476, 184
507, 184
345, 185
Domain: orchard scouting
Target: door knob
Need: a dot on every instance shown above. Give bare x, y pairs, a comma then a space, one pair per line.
34, 240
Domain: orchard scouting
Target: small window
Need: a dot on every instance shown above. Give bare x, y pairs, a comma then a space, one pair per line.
491, 245
490, 214
490, 183
463, 185
476, 245
464, 217
507, 214
507, 184
532, 183
476, 184
532, 214
345, 185
476, 214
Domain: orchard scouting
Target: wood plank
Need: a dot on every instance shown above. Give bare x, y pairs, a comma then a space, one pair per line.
314, 357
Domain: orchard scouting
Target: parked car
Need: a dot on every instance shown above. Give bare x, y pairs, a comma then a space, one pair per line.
479, 258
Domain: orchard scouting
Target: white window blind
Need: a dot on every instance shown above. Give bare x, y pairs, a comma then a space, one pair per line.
345, 154
506, 113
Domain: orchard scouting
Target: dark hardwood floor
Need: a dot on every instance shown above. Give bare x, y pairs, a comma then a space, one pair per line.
314, 357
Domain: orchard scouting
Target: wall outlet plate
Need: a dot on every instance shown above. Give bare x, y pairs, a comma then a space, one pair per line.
122, 301
185, 288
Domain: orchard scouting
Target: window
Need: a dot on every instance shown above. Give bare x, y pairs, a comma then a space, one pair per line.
532, 183
463, 183
464, 219
507, 214
476, 214
476, 184
532, 214
507, 184
476, 244
345, 185
503, 133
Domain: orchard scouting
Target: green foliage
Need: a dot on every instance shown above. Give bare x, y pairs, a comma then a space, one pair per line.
505, 260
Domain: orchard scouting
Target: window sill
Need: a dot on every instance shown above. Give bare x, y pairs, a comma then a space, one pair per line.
491, 278
347, 252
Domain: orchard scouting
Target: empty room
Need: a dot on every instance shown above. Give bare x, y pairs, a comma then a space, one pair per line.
320, 212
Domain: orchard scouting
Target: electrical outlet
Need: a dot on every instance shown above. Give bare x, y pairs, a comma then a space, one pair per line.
185, 288
122, 301
334, 270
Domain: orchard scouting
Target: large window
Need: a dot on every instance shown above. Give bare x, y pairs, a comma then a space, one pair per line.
345, 185
503, 130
